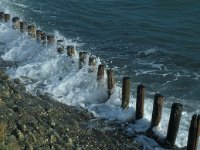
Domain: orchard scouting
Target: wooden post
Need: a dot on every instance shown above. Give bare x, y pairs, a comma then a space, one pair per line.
23, 26
126, 90
38, 35
6, 17
16, 23
60, 46
157, 110
1, 16
194, 133
32, 31
140, 102
70, 50
100, 72
92, 64
174, 122
43, 38
82, 59
50, 39
110, 82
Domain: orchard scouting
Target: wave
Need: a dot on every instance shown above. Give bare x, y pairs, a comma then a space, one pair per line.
42, 69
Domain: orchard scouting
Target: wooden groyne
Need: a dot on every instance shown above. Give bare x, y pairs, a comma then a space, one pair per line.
176, 109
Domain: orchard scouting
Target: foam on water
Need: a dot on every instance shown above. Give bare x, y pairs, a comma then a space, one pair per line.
44, 70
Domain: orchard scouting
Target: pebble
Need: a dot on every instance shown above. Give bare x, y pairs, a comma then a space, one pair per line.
17, 80
53, 124
53, 139
21, 126
19, 134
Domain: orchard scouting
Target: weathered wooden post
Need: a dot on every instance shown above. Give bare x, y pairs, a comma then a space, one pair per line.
6, 17
16, 23
157, 110
126, 90
38, 35
23, 26
82, 59
174, 122
92, 64
194, 133
1, 16
50, 39
100, 72
43, 37
110, 82
140, 102
70, 50
60, 46
32, 31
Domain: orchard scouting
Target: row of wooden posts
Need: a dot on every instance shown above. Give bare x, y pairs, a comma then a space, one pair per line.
176, 109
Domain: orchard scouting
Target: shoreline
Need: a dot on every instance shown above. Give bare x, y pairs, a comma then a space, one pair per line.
43, 106
40, 122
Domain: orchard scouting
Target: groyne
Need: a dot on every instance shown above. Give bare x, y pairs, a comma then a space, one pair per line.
176, 109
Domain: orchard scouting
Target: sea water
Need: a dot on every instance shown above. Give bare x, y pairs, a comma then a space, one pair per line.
154, 42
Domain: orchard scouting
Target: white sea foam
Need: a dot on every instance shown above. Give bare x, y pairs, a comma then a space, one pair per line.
59, 75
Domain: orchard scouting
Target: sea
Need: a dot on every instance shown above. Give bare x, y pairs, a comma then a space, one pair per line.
154, 42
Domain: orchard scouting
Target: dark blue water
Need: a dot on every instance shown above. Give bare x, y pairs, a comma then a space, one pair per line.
155, 42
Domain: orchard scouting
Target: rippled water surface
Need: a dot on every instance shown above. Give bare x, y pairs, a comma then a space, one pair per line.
155, 42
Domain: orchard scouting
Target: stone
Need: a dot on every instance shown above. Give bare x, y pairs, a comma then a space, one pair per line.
21, 126
53, 139
29, 147
19, 134
53, 124
3, 127
2, 103
59, 147
17, 96
17, 81
31, 137
13, 146
70, 141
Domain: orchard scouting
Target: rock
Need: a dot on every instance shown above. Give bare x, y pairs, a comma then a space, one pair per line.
11, 138
19, 134
52, 123
17, 81
4, 92
3, 127
5, 77
57, 136
21, 126
12, 144
31, 137
2, 103
53, 139
59, 147
70, 141
28, 147
17, 96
